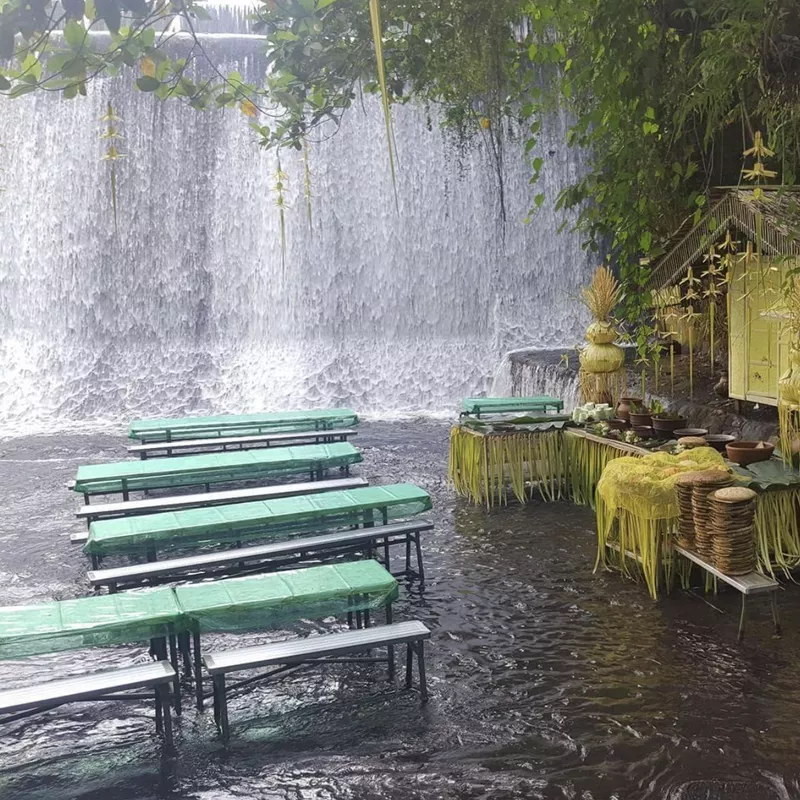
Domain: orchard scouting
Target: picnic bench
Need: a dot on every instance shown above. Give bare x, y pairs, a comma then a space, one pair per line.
753, 583
135, 508
224, 443
127, 476
271, 557
178, 616
477, 406
233, 524
165, 430
277, 599
40, 697
327, 648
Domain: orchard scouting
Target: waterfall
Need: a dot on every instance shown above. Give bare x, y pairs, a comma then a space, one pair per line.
188, 305
527, 373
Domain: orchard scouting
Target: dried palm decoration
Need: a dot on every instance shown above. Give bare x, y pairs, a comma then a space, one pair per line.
112, 135
602, 362
690, 296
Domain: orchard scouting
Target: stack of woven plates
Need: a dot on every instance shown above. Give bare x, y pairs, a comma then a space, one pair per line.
683, 489
733, 533
704, 484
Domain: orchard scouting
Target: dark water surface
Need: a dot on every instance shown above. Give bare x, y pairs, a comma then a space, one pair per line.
547, 681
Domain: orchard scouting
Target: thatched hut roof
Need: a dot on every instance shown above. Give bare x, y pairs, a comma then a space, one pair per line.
776, 212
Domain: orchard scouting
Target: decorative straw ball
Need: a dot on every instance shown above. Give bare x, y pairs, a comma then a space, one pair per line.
690, 442
734, 494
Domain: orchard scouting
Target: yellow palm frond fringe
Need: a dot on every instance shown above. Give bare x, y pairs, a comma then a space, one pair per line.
634, 530
485, 467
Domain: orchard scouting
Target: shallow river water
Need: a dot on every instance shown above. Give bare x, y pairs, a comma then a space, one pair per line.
547, 681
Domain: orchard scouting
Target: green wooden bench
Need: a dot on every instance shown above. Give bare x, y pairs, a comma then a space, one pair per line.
475, 407
262, 519
165, 430
123, 477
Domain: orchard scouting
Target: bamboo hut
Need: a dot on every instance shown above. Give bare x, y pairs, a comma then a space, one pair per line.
756, 231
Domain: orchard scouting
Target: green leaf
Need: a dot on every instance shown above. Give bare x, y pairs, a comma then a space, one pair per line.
109, 12
645, 240
74, 8
147, 84
539, 199
22, 88
324, 4
31, 67
650, 113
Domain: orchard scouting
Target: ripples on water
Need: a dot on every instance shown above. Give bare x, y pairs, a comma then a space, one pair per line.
547, 681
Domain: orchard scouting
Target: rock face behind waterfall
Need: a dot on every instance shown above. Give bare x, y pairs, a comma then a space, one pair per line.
188, 307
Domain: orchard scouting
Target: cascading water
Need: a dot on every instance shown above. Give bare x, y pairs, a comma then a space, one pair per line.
526, 373
187, 306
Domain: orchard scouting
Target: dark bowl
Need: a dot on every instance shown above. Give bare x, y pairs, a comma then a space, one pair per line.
644, 432
679, 434
668, 426
744, 453
719, 440
617, 424
643, 420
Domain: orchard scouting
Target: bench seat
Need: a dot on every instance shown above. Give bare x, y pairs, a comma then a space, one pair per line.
753, 583
128, 476
158, 675
157, 449
259, 520
155, 505
159, 430
316, 648
273, 556
476, 406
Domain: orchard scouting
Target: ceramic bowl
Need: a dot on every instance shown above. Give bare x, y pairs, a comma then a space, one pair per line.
744, 453
719, 440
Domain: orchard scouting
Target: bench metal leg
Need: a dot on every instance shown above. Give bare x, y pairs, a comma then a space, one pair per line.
408, 554
159, 711
409, 664
742, 619
198, 672
775, 619
423, 680
163, 703
173, 657
386, 562
221, 699
420, 568
184, 645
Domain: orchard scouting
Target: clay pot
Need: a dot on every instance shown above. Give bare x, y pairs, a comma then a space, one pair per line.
719, 440
668, 426
745, 453
681, 432
617, 424
644, 431
624, 407
644, 420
